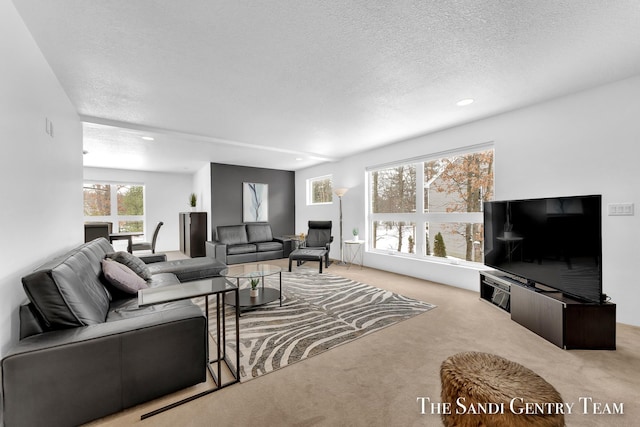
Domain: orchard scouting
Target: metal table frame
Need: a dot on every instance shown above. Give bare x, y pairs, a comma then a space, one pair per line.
214, 286
250, 271
128, 236
354, 252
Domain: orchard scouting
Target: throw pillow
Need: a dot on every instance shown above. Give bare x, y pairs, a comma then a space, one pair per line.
133, 262
122, 277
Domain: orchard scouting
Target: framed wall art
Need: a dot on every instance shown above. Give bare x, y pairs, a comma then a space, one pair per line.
255, 202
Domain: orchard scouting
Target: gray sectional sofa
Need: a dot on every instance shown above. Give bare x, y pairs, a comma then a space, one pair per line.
86, 350
236, 244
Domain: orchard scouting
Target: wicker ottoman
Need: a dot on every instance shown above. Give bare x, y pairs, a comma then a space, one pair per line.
487, 390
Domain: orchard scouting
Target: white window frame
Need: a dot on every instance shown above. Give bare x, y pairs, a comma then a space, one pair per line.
420, 218
310, 182
114, 218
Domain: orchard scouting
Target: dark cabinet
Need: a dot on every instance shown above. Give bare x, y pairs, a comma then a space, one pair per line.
562, 320
540, 313
193, 233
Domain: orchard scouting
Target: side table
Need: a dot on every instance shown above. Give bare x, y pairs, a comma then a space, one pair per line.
248, 272
218, 286
355, 252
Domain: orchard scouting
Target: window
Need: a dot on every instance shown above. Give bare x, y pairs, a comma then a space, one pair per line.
395, 236
120, 204
319, 190
432, 206
394, 190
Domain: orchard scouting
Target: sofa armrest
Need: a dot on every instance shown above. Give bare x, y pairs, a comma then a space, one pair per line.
217, 250
189, 269
328, 245
102, 330
287, 245
72, 376
151, 258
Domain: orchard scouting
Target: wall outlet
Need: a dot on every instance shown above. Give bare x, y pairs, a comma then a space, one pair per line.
620, 209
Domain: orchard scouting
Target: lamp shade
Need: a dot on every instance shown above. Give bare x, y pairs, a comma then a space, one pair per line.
340, 191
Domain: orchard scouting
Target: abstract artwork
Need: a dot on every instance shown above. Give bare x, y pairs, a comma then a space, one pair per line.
255, 202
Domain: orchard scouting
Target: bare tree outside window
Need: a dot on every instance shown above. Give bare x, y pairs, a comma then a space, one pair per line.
395, 236
97, 199
394, 191
120, 204
460, 184
453, 189
320, 190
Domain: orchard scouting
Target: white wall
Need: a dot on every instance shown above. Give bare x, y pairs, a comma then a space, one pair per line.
166, 195
586, 143
41, 176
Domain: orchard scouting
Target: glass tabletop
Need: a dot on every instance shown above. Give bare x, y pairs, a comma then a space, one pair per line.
250, 270
182, 291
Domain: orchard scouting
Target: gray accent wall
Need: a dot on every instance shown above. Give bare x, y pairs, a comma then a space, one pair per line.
226, 196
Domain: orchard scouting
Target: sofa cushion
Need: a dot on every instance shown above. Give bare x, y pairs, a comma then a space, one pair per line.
188, 269
67, 291
151, 258
241, 249
259, 233
128, 308
232, 234
133, 262
269, 246
162, 279
122, 277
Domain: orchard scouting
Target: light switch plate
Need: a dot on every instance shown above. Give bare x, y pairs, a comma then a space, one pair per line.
621, 209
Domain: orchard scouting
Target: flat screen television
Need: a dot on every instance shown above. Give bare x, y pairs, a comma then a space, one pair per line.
556, 242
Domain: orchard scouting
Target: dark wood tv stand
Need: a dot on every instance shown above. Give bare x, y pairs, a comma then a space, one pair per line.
564, 321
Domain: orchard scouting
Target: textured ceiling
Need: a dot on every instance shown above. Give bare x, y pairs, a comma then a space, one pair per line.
265, 83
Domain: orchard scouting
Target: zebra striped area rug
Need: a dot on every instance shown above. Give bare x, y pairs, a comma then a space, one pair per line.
318, 312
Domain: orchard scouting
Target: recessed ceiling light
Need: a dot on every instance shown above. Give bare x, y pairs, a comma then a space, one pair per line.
148, 138
298, 158
464, 102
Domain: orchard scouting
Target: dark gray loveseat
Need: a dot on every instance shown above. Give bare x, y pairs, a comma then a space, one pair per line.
85, 351
247, 243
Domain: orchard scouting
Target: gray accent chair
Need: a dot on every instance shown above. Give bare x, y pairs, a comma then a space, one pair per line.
86, 351
148, 246
319, 237
245, 243
316, 246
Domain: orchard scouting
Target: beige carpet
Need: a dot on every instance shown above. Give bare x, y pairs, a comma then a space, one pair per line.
376, 380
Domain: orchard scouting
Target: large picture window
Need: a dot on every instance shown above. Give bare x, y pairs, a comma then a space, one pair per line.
319, 190
120, 204
431, 207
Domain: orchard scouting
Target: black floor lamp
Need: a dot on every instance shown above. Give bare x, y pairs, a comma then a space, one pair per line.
341, 192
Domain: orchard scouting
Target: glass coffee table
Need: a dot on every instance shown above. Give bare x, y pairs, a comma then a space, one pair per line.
243, 274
